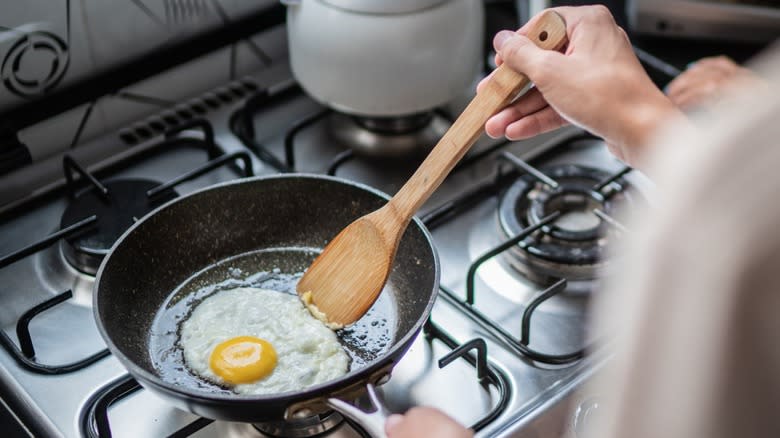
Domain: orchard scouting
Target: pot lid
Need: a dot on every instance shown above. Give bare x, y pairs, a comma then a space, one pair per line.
384, 6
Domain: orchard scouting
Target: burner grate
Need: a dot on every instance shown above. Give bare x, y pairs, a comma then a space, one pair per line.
300, 125
95, 419
573, 246
487, 373
24, 354
242, 126
223, 160
77, 228
119, 202
244, 129
606, 187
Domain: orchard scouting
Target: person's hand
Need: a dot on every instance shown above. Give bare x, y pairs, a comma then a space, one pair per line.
424, 423
708, 80
597, 84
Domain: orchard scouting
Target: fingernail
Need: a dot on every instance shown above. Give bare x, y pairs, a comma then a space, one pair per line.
392, 422
501, 38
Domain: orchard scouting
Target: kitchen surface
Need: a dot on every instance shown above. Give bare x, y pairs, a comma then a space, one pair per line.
102, 121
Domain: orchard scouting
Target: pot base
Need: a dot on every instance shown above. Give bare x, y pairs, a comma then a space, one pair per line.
389, 137
301, 427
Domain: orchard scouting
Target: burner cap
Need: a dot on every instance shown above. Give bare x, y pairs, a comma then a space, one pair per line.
388, 137
301, 427
126, 202
573, 246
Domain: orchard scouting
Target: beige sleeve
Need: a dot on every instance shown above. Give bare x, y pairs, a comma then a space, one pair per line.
695, 310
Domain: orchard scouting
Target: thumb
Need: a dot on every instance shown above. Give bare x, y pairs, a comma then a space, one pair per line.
522, 55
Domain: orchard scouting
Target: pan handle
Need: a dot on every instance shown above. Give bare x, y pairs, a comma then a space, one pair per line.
371, 422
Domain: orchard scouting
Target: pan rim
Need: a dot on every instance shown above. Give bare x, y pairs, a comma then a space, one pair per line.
319, 391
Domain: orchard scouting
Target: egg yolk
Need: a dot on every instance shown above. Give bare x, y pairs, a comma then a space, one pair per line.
243, 359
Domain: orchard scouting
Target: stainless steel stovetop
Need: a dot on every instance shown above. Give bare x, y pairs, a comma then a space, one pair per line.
526, 389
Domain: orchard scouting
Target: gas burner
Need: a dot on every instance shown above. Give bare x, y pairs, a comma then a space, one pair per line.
125, 202
572, 247
337, 429
301, 427
389, 137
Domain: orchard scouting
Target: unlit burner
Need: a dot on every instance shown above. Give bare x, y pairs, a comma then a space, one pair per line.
124, 201
299, 427
389, 137
574, 246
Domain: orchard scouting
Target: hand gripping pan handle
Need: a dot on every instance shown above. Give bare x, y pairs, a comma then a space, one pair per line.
372, 422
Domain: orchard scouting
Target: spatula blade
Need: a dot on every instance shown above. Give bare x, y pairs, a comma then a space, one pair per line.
346, 279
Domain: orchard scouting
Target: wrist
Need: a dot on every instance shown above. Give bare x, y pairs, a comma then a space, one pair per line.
642, 121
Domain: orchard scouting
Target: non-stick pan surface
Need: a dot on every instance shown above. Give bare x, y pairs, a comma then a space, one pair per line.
259, 231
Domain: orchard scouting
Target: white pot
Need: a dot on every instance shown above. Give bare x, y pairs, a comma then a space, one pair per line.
385, 57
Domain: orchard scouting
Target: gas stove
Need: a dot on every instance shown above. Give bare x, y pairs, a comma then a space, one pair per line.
522, 229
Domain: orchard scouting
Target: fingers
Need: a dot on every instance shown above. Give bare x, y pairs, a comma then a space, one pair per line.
529, 103
571, 15
596, 15
424, 422
717, 62
617, 151
689, 95
691, 99
484, 80
522, 55
693, 82
593, 17
529, 116
393, 422
704, 81
714, 67
544, 120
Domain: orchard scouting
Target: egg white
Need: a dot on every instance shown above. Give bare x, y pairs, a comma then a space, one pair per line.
308, 353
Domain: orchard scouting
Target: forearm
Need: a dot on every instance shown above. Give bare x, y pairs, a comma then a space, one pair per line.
639, 123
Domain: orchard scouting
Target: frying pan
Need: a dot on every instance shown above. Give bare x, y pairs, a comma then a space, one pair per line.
189, 245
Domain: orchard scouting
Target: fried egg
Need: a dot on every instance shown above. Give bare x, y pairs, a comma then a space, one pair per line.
259, 341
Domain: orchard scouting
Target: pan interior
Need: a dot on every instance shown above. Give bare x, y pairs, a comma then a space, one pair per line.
147, 267
277, 269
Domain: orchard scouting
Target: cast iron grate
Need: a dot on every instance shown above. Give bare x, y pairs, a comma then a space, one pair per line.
24, 353
95, 419
243, 127
492, 188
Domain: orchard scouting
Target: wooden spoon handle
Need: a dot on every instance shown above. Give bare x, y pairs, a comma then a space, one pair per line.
548, 32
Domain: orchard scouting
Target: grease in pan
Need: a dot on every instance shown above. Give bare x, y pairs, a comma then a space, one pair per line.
298, 351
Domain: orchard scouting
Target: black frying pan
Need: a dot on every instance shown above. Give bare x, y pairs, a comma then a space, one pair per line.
176, 255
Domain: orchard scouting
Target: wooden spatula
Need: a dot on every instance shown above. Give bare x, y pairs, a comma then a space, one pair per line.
345, 280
